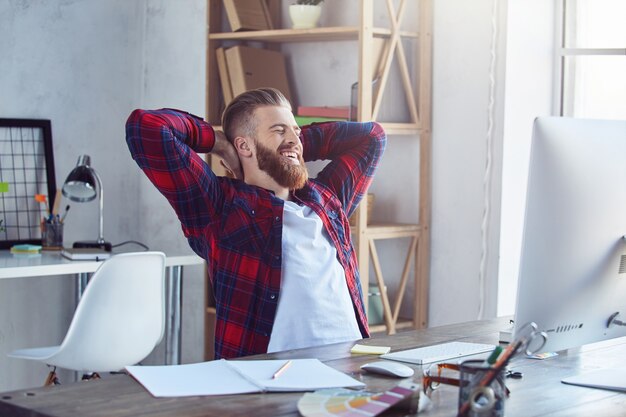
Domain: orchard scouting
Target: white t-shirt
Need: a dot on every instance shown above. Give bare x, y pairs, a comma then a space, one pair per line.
314, 307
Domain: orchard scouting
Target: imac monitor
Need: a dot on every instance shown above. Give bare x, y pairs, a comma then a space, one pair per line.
572, 276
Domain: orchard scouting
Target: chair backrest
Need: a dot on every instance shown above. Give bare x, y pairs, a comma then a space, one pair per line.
120, 317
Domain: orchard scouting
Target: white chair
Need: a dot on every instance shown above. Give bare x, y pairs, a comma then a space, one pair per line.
119, 320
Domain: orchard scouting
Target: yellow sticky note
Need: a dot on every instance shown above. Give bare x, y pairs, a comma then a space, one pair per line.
4, 187
370, 350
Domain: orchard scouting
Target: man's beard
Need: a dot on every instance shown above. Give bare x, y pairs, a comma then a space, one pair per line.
285, 173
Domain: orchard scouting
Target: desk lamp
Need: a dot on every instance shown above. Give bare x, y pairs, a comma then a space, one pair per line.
80, 186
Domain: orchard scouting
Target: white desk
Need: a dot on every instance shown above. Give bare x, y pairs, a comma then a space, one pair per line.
53, 264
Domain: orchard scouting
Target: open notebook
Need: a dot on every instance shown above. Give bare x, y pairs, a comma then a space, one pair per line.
224, 377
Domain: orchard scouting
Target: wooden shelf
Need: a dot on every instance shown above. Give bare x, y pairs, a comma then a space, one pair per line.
323, 34
414, 70
390, 230
402, 324
400, 128
391, 129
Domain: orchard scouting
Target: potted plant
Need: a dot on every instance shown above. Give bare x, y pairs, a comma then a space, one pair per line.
305, 14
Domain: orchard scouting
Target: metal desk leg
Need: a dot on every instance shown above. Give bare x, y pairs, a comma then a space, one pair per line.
82, 280
173, 299
81, 284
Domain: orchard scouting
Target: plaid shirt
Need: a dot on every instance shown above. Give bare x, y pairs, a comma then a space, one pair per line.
237, 227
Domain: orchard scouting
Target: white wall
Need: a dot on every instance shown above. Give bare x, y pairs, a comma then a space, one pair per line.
462, 64
86, 64
529, 93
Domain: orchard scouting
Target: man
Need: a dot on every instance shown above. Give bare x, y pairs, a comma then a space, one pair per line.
277, 244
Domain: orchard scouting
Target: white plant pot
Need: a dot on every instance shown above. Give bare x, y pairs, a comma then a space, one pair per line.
304, 16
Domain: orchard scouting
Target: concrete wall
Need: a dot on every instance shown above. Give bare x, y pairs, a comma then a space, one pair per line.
467, 89
86, 64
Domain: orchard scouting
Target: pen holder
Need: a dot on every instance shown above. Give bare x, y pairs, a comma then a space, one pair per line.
484, 400
52, 236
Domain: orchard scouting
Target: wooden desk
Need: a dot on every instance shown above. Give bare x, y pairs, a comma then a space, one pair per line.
53, 264
538, 393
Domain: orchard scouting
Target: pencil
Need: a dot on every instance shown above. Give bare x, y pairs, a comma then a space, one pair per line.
281, 369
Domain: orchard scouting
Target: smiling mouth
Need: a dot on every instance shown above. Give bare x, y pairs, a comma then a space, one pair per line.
291, 156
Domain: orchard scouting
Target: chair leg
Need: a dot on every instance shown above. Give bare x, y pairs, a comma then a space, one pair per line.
52, 379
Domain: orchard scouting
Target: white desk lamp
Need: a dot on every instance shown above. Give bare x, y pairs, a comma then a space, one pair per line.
81, 185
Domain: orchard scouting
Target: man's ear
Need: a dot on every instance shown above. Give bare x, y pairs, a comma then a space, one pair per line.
242, 145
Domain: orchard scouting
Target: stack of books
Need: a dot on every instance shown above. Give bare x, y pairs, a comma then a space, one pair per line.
85, 254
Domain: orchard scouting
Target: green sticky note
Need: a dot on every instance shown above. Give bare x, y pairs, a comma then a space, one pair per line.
4, 187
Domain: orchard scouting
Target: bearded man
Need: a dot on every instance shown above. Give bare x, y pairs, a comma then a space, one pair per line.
277, 243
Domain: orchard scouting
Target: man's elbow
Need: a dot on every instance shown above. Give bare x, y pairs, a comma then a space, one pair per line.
378, 135
135, 117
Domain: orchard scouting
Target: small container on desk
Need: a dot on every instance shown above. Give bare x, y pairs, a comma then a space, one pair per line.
52, 235
482, 391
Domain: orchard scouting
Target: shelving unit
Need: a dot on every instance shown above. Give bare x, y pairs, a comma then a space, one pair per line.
418, 99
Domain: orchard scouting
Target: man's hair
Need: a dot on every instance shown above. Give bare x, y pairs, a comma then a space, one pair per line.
238, 120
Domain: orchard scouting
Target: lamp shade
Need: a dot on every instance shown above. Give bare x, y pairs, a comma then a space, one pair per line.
80, 184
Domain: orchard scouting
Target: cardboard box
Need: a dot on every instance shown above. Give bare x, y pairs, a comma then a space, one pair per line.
247, 15
251, 68
227, 91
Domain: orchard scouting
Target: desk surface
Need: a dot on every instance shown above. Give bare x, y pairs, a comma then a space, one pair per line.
538, 393
52, 263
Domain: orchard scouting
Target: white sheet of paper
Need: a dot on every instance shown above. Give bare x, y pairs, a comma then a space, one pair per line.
302, 375
205, 378
235, 377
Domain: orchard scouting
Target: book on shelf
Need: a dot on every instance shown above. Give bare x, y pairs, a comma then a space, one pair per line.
324, 111
248, 15
224, 377
85, 254
250, 68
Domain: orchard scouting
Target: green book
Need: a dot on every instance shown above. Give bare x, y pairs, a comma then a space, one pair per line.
307, 120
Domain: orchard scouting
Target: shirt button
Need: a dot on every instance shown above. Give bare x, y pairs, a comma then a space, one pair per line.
252, 212
273, 296
277, 257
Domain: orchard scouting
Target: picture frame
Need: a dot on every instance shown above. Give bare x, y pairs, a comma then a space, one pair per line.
26, 169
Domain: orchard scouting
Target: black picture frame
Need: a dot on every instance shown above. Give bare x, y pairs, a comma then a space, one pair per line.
38, 131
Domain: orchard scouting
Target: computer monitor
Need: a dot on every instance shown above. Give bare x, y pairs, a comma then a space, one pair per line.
572, 276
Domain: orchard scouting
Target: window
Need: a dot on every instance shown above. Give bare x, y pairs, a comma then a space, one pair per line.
593, 59
575, 60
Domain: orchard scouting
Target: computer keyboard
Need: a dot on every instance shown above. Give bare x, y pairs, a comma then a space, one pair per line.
439, 353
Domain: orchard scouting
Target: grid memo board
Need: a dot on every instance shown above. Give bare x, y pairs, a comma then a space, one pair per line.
26, 169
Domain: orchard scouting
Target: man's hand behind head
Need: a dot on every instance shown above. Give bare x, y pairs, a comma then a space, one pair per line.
229, 157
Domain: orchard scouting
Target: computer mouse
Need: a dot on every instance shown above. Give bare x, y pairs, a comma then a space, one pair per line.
388, 368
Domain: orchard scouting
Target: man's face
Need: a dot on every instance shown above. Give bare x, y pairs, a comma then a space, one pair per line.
278, 147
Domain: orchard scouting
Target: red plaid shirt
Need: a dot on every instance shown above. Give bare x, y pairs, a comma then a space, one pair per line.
237, 227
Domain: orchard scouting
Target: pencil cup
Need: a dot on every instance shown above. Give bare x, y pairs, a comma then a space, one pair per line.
481, 389
52, 236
